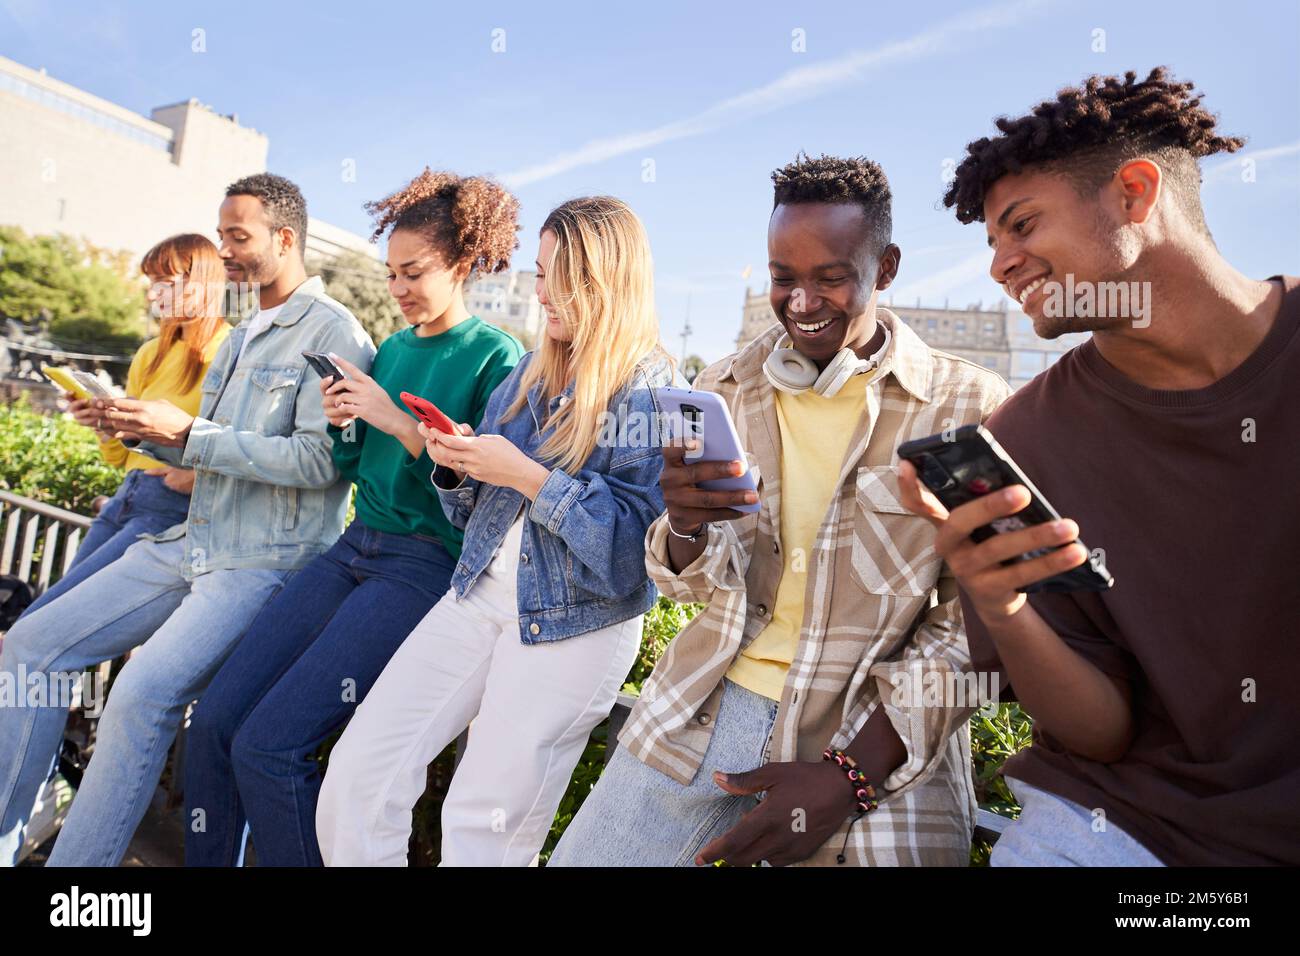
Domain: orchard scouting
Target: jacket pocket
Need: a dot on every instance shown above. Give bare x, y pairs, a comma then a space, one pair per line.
273, 394
893, 549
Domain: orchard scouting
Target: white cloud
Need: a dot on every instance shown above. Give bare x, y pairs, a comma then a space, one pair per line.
790, 87
1229, 169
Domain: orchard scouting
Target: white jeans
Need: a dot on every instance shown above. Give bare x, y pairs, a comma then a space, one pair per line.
533, 706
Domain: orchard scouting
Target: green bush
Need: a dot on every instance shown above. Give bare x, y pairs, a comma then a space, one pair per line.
52, 459
992, 741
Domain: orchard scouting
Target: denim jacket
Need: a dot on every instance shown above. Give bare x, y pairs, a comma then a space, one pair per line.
582, 555
266, 492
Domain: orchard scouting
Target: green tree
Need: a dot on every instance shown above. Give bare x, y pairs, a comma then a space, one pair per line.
693, 366
360, 283
86, 294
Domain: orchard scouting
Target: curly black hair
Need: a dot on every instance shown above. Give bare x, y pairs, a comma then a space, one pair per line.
285, 205
839, 180
1088, 131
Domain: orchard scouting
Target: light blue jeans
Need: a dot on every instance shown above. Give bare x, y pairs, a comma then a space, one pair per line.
142, 504
638, 816
1053, 831
187, 630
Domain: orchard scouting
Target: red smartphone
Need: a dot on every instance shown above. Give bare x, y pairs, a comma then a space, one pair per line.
429, 413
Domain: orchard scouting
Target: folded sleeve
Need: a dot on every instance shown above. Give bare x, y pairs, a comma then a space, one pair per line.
928, 689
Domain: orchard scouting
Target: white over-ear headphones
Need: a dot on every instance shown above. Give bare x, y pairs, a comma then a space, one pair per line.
793, 372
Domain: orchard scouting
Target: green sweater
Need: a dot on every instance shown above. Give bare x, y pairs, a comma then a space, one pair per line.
457, 371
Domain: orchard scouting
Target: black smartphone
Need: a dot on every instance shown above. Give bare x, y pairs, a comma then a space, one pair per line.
968, 464
324, 365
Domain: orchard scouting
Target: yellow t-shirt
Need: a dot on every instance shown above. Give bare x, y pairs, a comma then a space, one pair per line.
165, 383
815, 434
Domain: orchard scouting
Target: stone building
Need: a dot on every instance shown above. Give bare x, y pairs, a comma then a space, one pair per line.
996, 338
508, 300
74, 163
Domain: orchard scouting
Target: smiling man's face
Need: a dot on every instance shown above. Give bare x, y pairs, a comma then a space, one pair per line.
825, 277
1041, 230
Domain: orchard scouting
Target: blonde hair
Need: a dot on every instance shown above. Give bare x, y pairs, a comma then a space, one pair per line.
600, 281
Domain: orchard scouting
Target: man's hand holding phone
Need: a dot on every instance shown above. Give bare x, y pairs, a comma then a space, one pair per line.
1087, 711
689, 506
991, 586
155, 420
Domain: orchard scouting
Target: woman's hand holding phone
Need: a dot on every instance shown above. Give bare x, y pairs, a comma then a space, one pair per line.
328, 401
360, 396
990, 585
84, 413
493, 459
440, 453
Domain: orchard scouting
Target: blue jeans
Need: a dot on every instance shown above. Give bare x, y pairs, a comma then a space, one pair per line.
298, 673
141, 505
637, 816
1053, 831
184, 629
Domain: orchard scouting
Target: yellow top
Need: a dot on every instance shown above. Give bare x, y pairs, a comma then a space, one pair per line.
165, 383
815, 434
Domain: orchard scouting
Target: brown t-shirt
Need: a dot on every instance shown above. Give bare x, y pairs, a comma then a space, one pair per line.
1194, 496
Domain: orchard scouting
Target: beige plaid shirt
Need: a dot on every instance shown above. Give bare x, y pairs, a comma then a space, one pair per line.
879, 604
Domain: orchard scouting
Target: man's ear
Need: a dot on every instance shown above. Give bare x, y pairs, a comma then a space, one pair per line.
288, 238
1139, 182
888, 266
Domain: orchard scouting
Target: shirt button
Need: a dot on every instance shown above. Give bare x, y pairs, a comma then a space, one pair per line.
762, 610
776, 547
703, 720
534, 629
524, 557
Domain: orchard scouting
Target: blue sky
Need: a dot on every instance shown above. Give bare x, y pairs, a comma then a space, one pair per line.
714, 94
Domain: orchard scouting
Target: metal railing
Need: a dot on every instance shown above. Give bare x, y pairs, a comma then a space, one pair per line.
27, 521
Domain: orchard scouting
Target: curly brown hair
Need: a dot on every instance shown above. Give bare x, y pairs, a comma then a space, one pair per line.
472, 221
838, 180
1088, 131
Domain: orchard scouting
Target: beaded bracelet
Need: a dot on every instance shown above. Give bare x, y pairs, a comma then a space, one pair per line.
863, 791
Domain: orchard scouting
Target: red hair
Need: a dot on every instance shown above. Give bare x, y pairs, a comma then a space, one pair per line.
190, 326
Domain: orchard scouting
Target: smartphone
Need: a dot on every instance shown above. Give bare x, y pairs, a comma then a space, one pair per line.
429, 413
705, 417
82, 384
971, 464
324, 366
